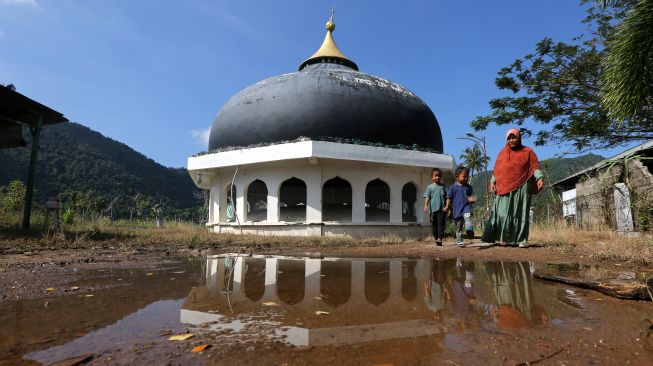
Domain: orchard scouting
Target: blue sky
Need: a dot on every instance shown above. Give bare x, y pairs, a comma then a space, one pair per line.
154, 73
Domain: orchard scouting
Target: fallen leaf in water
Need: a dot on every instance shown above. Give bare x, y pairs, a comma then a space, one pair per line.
322, 312
200, 348
74, 361
181, 337
149, 273
270, 303
49, 289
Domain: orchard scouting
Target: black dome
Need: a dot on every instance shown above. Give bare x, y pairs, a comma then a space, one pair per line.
325, 100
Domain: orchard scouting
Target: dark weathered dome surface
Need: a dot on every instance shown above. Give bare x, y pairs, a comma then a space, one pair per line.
325, 100
328, 97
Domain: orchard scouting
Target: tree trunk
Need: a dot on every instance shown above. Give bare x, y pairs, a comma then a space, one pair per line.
621, 289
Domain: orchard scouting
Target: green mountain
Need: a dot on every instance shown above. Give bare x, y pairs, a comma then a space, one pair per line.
75, 158
554, 169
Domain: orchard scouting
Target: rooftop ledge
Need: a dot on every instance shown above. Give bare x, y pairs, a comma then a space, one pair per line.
320, 150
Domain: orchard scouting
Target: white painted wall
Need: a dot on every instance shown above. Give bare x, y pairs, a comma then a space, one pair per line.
315, 171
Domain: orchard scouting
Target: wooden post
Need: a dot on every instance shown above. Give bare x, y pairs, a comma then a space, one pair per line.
36, 134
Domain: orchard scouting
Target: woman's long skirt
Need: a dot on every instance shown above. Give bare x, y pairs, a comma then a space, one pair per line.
509, 221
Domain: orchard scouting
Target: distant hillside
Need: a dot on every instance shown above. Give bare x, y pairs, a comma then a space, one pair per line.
74, 157
554, 169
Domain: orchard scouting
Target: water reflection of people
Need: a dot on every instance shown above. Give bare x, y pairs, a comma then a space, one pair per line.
514, 302
462, 294
450, 287
435, 291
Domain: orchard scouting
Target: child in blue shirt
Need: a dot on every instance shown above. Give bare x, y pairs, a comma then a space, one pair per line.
460, 198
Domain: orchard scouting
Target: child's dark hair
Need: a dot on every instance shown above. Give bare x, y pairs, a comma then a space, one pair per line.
461, 169
436, 170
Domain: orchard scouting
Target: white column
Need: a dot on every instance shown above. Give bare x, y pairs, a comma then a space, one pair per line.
357, 282
239, 265
213, 262
422, 272
313, 268
426, 180
395, 277
271, 267
241, 210
314, 195
357, 201
273, 200
214, 203
419, 204
395, 202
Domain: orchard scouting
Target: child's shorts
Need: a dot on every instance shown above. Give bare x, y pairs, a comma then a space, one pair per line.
469, 224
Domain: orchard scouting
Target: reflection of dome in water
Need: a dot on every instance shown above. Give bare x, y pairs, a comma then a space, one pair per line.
327, 97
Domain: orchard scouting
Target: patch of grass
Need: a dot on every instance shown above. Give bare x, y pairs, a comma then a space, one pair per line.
601, 244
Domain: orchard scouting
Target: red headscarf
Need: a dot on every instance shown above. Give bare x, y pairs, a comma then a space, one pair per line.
514, 166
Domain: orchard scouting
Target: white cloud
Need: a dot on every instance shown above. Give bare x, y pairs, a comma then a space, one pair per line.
32, 3
201, 136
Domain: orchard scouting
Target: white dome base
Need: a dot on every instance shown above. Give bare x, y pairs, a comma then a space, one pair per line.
315, 188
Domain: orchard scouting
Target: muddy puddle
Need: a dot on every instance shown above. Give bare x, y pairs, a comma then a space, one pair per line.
286, 310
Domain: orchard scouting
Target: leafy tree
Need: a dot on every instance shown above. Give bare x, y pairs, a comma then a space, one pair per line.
12, 197
628, 77
559, 86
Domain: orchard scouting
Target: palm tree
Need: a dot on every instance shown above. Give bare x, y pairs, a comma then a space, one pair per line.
472, 158
628, 76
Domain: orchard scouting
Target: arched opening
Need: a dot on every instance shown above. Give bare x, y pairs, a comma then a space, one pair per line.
292, 200
230, 208
377, 201
254, 281
291, 281
377, 282
336, 200
409, 203
257, 201
335, 282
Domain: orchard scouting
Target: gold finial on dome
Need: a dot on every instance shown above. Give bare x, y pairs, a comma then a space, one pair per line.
330, 25
329, 51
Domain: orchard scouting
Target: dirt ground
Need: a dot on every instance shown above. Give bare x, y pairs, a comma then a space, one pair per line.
27, 272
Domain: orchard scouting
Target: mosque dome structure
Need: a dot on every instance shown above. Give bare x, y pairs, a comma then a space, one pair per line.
324, 151
327, 97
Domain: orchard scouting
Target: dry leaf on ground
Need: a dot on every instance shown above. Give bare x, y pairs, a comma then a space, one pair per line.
200, 348
181, 337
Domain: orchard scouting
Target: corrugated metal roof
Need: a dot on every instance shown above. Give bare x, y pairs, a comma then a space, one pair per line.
645, 146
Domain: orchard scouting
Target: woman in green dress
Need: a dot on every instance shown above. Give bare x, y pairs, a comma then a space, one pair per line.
517, 176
